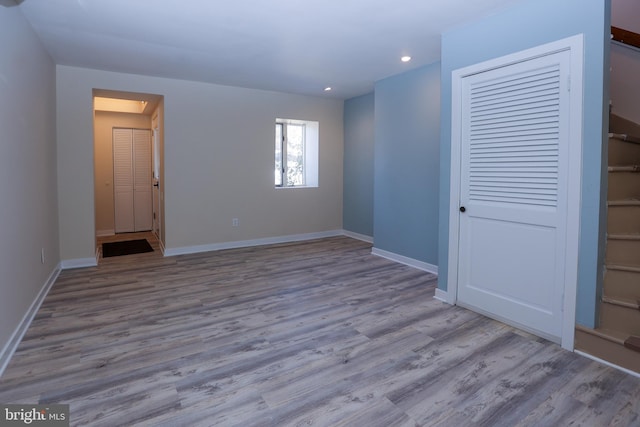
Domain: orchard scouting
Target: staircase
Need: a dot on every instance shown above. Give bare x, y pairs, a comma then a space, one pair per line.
617, 338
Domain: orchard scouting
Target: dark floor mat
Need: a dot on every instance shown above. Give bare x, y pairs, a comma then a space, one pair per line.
125, 248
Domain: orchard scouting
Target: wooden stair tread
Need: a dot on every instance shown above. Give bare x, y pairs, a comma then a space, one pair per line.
626, 202
604, 333
631, 303
623, 236
633, 343
624, 137
623, 268
626, 168
607, 345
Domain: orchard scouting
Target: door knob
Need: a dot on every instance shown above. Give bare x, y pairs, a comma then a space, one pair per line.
462, 209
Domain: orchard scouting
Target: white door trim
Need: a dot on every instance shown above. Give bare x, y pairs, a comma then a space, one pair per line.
575, 45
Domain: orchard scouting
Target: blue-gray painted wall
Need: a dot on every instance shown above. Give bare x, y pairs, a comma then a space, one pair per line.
525, 25
406, 171
357, 212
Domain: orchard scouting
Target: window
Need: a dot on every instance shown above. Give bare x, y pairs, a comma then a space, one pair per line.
296, 153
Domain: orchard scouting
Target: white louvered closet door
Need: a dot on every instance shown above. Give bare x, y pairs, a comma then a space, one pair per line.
143, 203
132, 180
514, 171
123, 181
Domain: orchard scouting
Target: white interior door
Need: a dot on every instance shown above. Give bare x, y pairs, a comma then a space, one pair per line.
142, 200
123, 180
515, 174
132, 180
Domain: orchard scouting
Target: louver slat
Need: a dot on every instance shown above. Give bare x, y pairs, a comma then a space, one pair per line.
123, 162
513, 138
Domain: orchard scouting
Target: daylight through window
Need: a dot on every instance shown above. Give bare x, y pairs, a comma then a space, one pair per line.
296, 153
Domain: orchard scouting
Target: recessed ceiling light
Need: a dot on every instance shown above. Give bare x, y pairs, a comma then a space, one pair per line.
405, 58
327, 89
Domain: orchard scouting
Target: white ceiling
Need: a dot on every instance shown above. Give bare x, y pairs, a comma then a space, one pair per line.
298, 46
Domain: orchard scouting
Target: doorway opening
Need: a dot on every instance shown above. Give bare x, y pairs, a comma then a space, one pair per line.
128, 172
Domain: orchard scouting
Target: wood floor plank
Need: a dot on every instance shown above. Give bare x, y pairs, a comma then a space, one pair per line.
527, 384
317, 333
139, 400
356, 360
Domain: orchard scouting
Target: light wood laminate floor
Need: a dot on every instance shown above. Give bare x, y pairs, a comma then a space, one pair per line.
317, 333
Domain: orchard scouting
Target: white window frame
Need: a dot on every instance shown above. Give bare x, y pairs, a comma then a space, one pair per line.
310, 152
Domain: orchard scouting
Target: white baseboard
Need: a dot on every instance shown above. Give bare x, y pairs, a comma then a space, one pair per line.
443, 296
104, 233
79, 263
420, 265
11, 346
604, 362
357, 236
247, 243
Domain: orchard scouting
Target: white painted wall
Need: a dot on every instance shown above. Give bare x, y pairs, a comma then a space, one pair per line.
218, 161
28, 207
625, 62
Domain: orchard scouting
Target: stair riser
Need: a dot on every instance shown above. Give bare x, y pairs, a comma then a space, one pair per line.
621, 319
607, 350
623, 252
623, 220
623, 185
623, 153
622, 284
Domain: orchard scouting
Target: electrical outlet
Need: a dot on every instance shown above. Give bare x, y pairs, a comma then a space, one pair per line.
42, 255
235, 222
